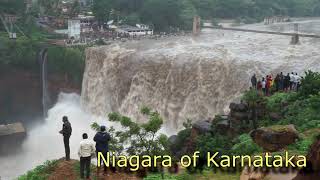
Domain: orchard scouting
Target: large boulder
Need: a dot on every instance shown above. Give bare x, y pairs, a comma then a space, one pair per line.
223, 125
173, 139
202, 127
240, 116
274, 138
238, 107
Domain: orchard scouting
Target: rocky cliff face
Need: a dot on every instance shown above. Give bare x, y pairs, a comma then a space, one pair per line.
21, 93
186, 77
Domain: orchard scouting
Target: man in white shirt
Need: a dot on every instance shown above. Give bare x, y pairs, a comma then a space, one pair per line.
292, 79
85, 151
297, 82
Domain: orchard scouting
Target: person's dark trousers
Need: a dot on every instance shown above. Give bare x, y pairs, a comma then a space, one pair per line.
101, 161
66, 147
85, 163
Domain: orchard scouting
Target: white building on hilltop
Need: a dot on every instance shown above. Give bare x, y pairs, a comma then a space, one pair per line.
74, 29
139, 30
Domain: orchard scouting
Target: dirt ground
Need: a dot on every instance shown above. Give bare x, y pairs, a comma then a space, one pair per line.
65, 170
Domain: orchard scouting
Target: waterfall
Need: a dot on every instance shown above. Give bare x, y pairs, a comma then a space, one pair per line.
44, 74
190, 77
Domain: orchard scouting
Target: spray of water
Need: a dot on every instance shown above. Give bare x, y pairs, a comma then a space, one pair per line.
43, 140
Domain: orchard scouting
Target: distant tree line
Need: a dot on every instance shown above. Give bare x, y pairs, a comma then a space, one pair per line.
163, 14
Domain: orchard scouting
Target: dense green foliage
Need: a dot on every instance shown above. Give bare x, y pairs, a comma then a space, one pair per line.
167, 14
275, 102
23, 52
244, 145
213, 143
40, 172
67, 61
310, 84
140, 139
20, 53
187, 176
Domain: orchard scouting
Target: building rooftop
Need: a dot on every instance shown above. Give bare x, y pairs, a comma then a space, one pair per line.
131, 28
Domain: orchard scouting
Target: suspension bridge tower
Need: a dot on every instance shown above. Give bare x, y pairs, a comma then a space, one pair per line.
196, 25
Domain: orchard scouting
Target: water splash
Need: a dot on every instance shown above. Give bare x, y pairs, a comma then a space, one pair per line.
43, 140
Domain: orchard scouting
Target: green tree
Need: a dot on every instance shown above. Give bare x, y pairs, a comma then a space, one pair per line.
310, 84
102, 9
141, 139
163, 14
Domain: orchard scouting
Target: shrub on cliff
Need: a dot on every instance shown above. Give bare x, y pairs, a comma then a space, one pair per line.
276, 101
245, 146
140, 139
310, 84
216, 143
304, 114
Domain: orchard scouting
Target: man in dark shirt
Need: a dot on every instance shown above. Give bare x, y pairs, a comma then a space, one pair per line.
66, 132
254, 81
102, 139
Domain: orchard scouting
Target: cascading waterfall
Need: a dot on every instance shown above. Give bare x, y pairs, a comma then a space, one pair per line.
44, 74
190, 77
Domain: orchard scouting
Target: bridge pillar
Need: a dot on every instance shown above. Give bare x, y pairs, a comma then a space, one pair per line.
196, 26
295, 38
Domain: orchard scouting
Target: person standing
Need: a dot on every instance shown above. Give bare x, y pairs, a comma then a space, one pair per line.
291, 81
297, 79
66, 132
254, 81
263, 85
86, 150
287, 82
277, 82
259, 86
102, 139
281, 82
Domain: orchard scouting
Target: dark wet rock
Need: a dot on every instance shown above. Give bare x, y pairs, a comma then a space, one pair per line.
223, 125
238, 107
173, 139
239, 115
275, 138
202, 127
11, 136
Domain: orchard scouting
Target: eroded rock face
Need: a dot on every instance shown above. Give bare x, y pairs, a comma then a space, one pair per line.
273, 139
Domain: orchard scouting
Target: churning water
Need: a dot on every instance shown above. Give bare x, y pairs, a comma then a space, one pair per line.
43, 141
191, 77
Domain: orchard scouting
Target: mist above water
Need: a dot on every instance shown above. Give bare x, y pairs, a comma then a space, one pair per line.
43, 141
